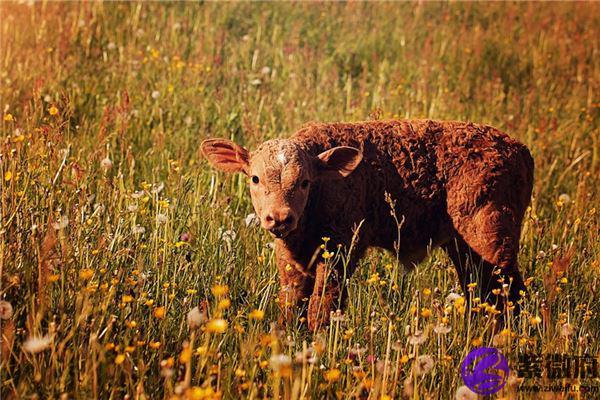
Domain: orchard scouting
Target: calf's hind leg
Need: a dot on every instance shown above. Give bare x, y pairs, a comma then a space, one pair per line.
485, 248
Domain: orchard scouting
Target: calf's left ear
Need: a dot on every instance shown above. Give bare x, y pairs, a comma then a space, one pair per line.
338, 162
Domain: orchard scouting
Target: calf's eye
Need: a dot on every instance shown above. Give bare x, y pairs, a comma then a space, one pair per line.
255, 179
304, 184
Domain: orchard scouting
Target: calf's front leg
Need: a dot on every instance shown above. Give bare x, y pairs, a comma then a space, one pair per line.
296, 285
328, 294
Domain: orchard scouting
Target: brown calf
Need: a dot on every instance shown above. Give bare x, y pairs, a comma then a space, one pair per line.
461, 186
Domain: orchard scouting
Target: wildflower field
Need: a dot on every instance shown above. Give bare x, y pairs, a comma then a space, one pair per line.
131, 269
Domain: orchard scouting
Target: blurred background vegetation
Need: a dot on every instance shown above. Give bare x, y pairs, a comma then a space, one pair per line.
113, 228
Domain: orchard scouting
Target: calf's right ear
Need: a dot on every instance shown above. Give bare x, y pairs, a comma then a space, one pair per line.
225, 155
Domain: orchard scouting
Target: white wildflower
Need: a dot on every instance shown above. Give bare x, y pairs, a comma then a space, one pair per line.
138, 230
255, 82
195, 318
417, 338
6, 310
61, 223
137, 195
464, 393
106, 164
35, 344
265, 70
157, 188
442, 329
155, 94
452, 297
541, 254
111, 46
309, 356
161, 218
337, 316
252, 220
279, 362
566, 330
564, 198
228, 236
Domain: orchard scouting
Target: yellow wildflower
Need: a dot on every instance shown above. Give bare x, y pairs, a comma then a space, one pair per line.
257, 314
223, 304
86, 274
159, 312
535, 320
154, 345
186, 355
220, 290
333, 375
217, 325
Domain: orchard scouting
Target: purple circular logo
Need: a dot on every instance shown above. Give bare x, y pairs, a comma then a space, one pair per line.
484, 370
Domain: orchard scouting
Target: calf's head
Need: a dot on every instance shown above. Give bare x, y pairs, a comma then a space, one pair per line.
280, 174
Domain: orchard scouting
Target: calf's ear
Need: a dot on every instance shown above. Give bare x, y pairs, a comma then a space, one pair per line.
338, 162
225, 155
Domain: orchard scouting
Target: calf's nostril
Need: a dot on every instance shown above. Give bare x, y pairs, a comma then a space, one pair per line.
269, 218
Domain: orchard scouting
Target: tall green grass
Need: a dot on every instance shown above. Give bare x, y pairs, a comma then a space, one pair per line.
113, 228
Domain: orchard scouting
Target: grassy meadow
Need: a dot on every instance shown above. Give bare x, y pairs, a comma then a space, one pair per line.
128, 270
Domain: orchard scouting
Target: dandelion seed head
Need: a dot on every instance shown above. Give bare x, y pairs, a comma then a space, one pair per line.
464, 393
36, 344
423, 364
408, 388
418, 337
106, 163
61, 223
442, 328
6, 310
566, 330
279, 362
564, 198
